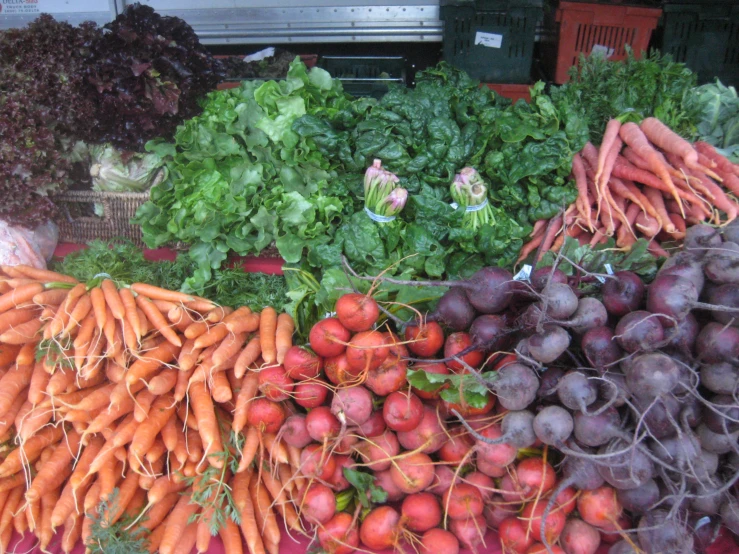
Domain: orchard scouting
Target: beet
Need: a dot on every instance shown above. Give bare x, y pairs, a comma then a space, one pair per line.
623, 293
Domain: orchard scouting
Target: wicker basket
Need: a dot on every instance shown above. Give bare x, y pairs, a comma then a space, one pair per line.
79, 224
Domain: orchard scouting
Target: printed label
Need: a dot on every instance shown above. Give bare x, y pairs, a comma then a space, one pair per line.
609, 269
601, 49
490, 40
23, 7
524, 274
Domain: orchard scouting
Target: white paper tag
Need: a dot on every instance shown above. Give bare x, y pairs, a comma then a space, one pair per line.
601, 279
524, 274
259, 56
601, 49
490, 40
609, 269
329, 314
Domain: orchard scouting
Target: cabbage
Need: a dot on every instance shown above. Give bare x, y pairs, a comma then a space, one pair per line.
719, 124
114, 170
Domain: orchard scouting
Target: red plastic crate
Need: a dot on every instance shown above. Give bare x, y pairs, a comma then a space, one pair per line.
512, 91
606, 27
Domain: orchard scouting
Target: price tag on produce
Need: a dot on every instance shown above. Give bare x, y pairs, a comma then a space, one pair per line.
489, 40
524, 274
601, 49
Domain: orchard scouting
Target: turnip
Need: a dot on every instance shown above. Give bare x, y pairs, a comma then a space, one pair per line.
543, 528
402, 411
641, 499
384, 481
302, 363
430, 367
437, 540
553, 425
425, 339
718, 343
374, 426
318, 504
420, 512
624, 293
579, 537
294, 431
322, 424
412, 472
461, 501
428, 436
265, 415
380, 529
542, 276
470, 531
548, 344
459, 345
516, 386
727, 296
339, 535
639, 330
378, 451
275, 384
366, 351
352, 405
514, 535
310, 394
328, 337
658, 531
357, 312
316, 463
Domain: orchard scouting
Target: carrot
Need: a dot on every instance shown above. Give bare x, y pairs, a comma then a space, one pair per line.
176, 524
20, 523
23, 333
19, 295
157, 319
72, 532
84, 340
720, 161
731, 182
126, 492
284, 336
9, 483
583, 205
142, 405
9, 353
161, 410
11, 384
611, 156
107, 417
249, 387
250, 448
656, 250
38, 384
82, 307
196, 329
12, 503
56, 470
17, 316
529, 247
202, 533
164, 353
44, 275
213, 335
276, 449
247, 323
248, 356
634, 137
655, 198
220, 388
720, 200
609, 138
235, 316
34, 420
131, 315
31, 450
187, 540
155, 453
648, 225
188, 355
219, 313
669, 141
113, 299
231, 537
277, 492
230, 345
164, 382
250, 530
186, 416
263, 513
157, 293
6, 422
164, 490
45, 531
240, 488
623, 234
202, 405
206, 307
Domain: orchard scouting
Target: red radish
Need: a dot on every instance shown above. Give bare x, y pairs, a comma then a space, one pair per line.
357, 312
457, 445
265, 415
378, 451
310, 394
514, 536
380, 529
294, 431
339, 535
456, 343
366, 351
426, 338
321, 424
374, 426
470, 531
497, 454
318, 504
302, 363
338, 481
421, 512
275, 384
467, 411
491, 470
402, 411
532, 515
567, 500
579, 537
535, 473
498, 510
314, 462
483, 482
541, 549
429, 436
412, 473
428, 367
438, 540
462, 501
328, 337
338, 371
352, 405
384, 481
443, 478
599, 507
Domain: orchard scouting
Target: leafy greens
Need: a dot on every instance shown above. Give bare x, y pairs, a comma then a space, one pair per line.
719, 122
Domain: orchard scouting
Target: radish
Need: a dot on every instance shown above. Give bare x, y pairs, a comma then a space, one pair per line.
357, 312
426, 339
352, 405
551, 525
339, 535
321, 424
318, 504
310, 394
402, 411
437, 540
430, 367
579, 537
374, 426
315, 463
294, 432
338, 371
456, 446
624, 293
420, 512
514, 536
302, 363
265, 415
599, 507
412, 473
428, 436
328, 337
366, 351
455, 344
380, 528
461, 501
338, 480
275, 384
384, 481
378, 451
469, 531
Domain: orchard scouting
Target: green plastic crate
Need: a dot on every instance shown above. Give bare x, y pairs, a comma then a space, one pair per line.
704, 36
492, 40
366, 75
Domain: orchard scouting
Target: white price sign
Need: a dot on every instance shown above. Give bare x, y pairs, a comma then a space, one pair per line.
490, 40
24, 7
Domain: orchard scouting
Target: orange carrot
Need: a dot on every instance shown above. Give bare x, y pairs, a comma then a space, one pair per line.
23, 333
157, 319
263, 513
60, 380
656, 250
157, 293
649, 226
20, 523
187, 540
609, 138
31, 450
72, 532
248, 356
231, 537
99, 307
17, 316
6, 421
229, 346
219, 313
12, 503
204, 307
144, 400
247, 323
249, 387
131, 315
177, 523
655, 198
38, 384
277, 492
720, 200
143, 439
202, 534
240, 488
202, 405
82, 307
622, 235
9, 483
83, 341
164, 382
220, 388
284, 336
56, 470
250, 529
107, 417
188, 355
720, 161
213, 335
164, 353
275, 449
180, 388
8, 353
113, 299
250, 448
196, 329
11, 385
19, 296
669, 141
37, 418
236, 315
583, 205
529, 247
44, 275
267, 329
126, 492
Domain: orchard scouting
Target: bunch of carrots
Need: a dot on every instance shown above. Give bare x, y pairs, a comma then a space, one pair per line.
130, 404
644, 181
